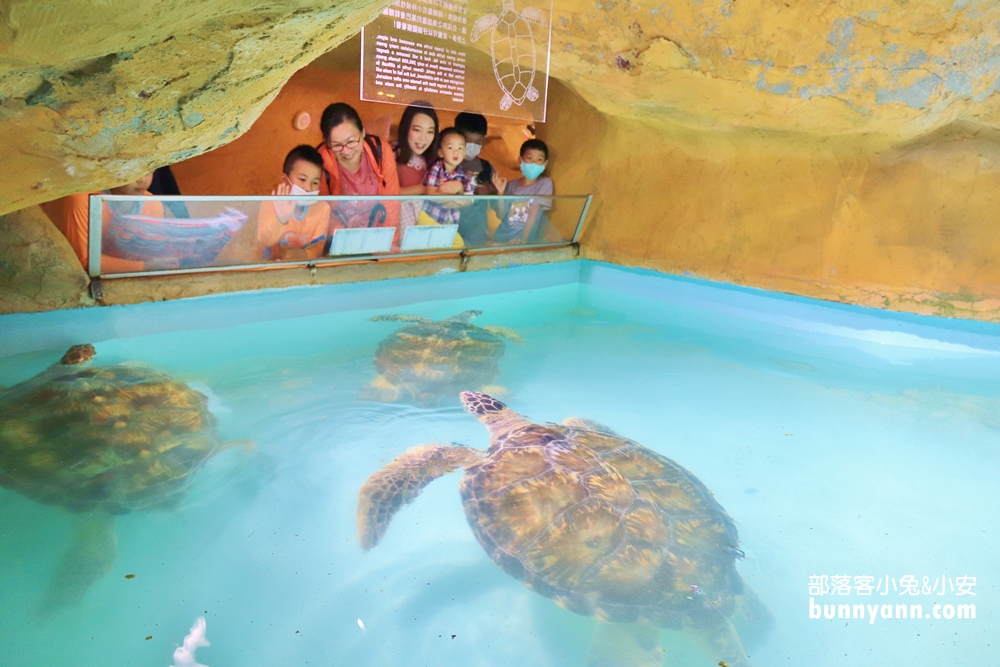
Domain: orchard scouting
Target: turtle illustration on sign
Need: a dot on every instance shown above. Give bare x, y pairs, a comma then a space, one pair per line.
512, 47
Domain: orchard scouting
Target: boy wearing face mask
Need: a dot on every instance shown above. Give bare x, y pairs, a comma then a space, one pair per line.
291, 230
474, 127
525, 220
473, 224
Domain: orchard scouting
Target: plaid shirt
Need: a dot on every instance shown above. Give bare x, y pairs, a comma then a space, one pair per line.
437, 175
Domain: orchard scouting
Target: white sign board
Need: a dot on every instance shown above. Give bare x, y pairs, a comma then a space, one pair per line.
362, 241
486, 56
428, 237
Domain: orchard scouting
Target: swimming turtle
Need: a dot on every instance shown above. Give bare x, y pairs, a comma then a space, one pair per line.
426, 361
102, 441
512, 47
600, 524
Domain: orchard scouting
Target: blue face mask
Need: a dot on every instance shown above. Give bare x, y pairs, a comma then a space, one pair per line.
531, 170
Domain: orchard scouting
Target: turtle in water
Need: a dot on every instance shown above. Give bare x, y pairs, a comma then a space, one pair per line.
512, 47
426, 361
102, 441
595, 521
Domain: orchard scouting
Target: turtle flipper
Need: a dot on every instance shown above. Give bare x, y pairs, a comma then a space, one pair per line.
504, 332
532, 93
533, 15
400, 318
721, 643
484, 25
380, 389
590, 425
465, 316
625, 645
506, 101
753, 619
385, 492
88, 559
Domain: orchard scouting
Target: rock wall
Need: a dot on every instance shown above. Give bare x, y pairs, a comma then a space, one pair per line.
95, 94
841, 150
38, 270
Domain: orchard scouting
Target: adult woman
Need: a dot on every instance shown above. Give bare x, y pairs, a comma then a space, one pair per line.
356, 164
415, 143
416, 148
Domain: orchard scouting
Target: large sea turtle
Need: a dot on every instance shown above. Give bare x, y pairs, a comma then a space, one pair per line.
512, 47
592, 520
102, 441
427, 361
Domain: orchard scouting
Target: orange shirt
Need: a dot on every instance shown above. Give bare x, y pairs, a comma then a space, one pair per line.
74, 223
308, 233
388, 179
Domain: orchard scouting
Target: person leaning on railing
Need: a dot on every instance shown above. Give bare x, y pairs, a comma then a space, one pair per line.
71, 215
357, 164
288, 229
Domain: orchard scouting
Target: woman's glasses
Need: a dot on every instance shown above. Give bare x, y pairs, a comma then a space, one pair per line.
350, 145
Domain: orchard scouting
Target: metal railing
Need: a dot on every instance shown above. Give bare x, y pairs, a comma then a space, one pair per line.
159, 235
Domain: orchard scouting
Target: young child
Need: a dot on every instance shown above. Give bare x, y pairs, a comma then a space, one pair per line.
447, 177
287, 229
474, 127
71, 215
524, 220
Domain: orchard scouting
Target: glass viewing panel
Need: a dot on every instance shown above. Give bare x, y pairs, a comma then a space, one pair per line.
135, 235
488, 56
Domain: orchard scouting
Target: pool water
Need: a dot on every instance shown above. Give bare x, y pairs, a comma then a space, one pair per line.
841, 440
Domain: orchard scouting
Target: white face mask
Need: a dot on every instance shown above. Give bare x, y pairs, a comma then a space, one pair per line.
296, 190
472, 151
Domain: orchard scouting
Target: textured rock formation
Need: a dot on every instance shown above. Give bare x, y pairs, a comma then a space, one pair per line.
843, 150
825, 67
38, 270
95, 94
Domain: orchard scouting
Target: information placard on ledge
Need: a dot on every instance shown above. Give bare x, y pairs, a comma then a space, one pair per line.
362, 241
487, 56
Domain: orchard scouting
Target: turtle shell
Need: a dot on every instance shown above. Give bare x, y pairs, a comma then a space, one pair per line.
426, 361
513, 51
109, 439
604, 526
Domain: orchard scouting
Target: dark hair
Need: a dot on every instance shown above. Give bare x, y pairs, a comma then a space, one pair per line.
338, 113
403, 134
471, 122
447, 132
305, 153
534, 144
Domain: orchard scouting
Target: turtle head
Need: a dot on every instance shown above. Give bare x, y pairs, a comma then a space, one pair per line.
78, 354
497, 416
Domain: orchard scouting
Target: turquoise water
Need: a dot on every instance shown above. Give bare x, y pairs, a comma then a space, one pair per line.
842, 441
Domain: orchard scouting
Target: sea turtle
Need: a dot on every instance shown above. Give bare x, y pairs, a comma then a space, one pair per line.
595, 521
426, 361
512, 47
102, 441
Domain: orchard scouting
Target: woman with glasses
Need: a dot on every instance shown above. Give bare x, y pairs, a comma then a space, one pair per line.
357, 164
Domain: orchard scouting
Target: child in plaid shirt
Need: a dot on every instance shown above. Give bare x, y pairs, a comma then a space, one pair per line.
447, 177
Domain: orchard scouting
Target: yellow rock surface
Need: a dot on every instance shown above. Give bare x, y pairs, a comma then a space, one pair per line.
94, 94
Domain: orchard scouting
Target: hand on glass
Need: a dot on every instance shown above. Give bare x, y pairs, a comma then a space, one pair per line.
283, 209
452, 188
499, 182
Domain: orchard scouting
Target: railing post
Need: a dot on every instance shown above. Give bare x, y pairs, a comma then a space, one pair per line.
583, 216
94, 236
